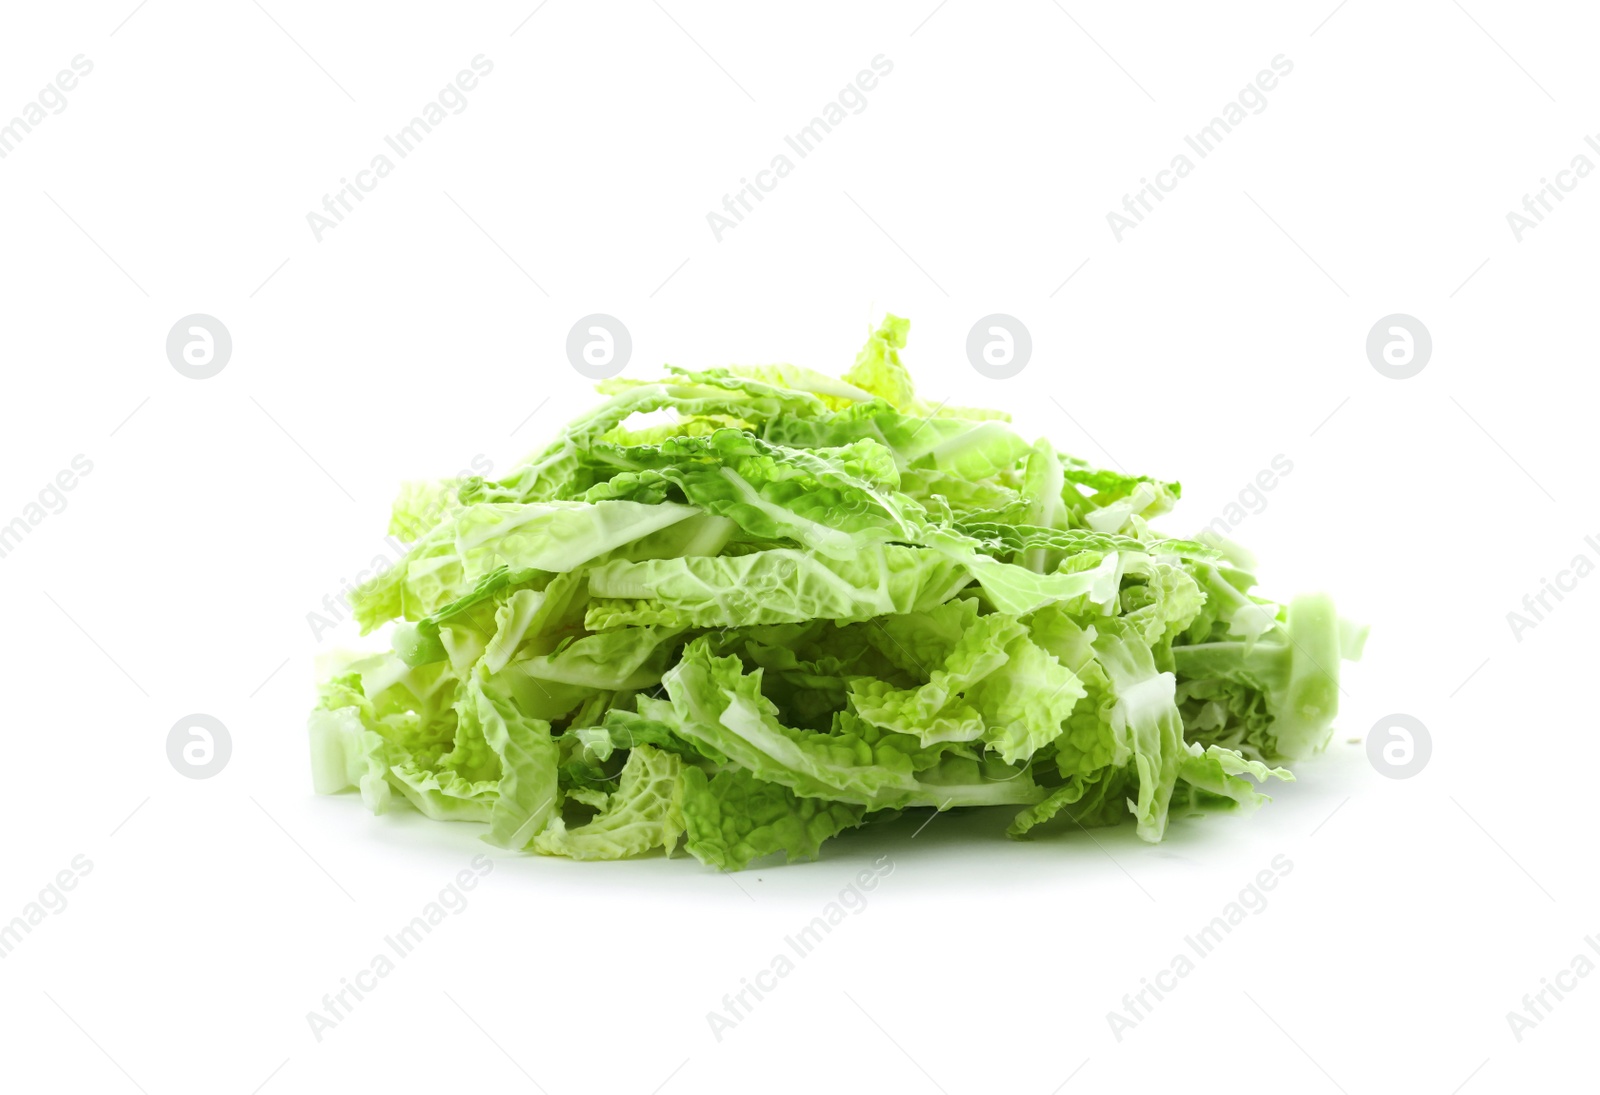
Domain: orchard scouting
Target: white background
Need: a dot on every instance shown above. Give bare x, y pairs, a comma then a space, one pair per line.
427, 328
